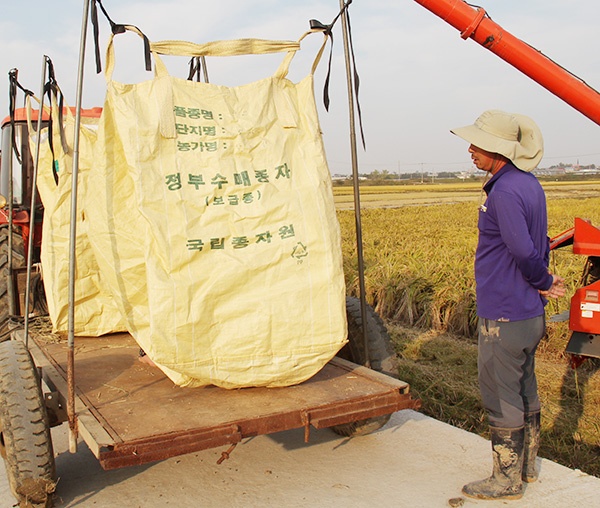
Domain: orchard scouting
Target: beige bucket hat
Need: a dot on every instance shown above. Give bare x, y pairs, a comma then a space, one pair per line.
517, 137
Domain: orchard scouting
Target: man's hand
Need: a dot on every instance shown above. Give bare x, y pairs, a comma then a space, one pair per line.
557, 289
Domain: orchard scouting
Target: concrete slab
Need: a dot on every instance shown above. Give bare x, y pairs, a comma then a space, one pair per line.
414, 461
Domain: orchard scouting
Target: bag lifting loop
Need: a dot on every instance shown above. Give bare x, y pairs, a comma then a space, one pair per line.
159, 67
116, 28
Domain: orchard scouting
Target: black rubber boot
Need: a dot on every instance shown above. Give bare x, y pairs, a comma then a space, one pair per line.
505, 482
531, 446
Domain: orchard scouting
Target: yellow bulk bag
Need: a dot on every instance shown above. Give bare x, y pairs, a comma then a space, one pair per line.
211, 214
95, 312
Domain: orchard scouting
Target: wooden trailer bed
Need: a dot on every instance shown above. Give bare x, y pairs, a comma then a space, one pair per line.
129, 413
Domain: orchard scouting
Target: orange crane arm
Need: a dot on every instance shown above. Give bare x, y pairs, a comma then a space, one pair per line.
473, 22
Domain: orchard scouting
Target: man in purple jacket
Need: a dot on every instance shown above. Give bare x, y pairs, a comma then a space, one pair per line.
513, 282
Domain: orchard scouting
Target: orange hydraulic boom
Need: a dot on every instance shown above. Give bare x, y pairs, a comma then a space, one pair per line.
473, 22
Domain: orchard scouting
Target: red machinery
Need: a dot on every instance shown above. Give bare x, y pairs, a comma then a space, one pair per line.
16, 180
474, 23
584, 314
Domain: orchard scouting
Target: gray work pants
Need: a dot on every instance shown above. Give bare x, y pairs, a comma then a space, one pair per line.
506, 364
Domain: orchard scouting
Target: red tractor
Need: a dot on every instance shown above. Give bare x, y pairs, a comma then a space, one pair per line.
16, 186
21, 210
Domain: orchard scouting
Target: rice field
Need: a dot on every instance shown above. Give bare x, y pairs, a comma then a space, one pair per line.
419, 258
419, 277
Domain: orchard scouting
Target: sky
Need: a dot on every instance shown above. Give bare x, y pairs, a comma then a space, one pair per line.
418, 78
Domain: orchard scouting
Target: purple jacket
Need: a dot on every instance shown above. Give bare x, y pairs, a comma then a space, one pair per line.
511, 262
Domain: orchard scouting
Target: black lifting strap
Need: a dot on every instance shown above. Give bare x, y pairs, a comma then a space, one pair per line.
327, 29
51, 88
195, 72
195, 67
116, 29
12, 99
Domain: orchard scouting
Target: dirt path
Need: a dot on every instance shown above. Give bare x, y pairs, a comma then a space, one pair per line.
428, 195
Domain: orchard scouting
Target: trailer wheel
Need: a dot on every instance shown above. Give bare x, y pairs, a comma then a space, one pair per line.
18, 248
25, 442
381, 358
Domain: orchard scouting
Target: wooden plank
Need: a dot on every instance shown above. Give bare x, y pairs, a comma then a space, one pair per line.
364, 372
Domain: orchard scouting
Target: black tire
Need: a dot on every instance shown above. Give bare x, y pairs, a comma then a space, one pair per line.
381, 358
25, 441
18, 261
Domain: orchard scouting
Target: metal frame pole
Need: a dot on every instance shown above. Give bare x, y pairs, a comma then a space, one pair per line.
33, 200
72, 238
204, 69
9, 277
357, 218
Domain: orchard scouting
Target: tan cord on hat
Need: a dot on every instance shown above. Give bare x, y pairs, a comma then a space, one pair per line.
482, 207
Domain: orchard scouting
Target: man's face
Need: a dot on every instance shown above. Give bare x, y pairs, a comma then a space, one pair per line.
484, 160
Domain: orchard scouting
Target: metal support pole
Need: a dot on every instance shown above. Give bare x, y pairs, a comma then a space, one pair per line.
10, 287
72, 238
204, 69
33, 200
359, 242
